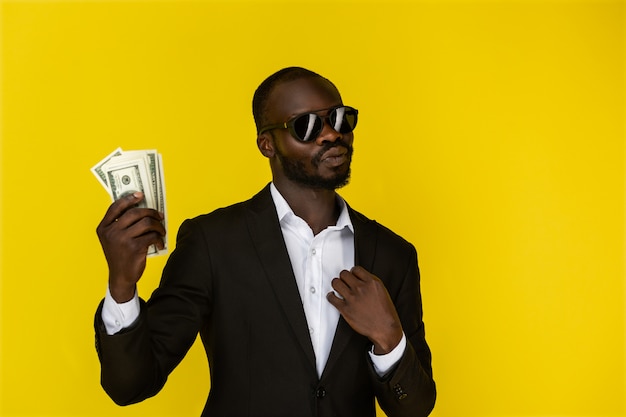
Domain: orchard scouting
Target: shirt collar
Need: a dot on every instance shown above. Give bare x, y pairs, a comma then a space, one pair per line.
284, 211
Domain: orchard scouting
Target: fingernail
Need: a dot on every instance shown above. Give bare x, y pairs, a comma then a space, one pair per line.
137, 194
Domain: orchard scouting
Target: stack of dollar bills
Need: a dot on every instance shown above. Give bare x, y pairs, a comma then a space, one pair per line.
124, 172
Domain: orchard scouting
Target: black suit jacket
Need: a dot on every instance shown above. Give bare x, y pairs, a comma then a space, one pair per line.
230, 279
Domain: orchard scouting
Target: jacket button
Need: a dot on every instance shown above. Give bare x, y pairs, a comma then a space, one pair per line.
320, 393
400, 394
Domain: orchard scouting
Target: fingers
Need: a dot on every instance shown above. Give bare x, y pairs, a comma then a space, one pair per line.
144, 241
124, 214
120, 206
337, 302
127, 230
351, 283
363, 301
352, 279
361, 273
345, 285
143, 217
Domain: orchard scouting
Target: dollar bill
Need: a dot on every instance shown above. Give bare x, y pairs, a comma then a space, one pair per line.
125, 172
127, 179
99, 172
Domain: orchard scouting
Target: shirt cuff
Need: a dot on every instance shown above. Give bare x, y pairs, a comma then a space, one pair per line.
383, 363
116, 316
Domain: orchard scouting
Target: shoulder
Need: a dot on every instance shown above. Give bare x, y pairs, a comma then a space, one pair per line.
233, 214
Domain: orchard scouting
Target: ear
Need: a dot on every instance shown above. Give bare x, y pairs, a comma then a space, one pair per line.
265, 143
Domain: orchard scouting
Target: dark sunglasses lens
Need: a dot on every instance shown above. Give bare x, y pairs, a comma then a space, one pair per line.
307, 127
343, 119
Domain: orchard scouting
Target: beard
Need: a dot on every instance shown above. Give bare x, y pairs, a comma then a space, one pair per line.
296, 170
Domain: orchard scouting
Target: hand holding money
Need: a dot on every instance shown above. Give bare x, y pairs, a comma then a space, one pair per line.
134, 226
124, 172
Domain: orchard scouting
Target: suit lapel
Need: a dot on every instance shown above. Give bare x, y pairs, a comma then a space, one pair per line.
268, 240
364, 251
364, 240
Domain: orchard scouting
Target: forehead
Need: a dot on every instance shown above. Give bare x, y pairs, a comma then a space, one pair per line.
300, 96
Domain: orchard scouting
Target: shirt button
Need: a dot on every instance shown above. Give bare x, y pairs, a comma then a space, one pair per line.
312, 290
117, 323
313, 251
311, 330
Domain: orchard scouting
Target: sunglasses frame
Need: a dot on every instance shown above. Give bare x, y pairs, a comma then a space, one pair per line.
325, 119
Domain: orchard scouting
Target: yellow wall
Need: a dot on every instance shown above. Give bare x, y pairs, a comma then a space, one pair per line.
491, 136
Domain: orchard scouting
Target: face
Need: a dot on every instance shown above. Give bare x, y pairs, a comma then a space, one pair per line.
323, 163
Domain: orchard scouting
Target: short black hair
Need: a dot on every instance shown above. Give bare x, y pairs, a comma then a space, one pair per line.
262, 93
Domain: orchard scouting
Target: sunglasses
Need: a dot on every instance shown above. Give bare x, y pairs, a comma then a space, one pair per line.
308, 126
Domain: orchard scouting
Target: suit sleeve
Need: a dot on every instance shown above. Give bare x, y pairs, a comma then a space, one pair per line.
408, 389
136, 362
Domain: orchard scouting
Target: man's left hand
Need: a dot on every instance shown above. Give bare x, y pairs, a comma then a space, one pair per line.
367, 308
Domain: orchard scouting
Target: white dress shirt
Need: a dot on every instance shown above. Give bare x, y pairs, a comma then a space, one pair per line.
316, 260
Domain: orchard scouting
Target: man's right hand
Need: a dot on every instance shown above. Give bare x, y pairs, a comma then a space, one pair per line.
126, 232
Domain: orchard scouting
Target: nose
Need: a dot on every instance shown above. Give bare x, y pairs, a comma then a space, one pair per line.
328, 134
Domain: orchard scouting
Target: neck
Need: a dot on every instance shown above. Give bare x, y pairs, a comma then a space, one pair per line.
317, 207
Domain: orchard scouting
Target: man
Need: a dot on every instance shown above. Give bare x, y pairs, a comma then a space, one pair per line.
304, 306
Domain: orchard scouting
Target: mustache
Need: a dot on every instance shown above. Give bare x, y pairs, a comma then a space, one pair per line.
329, 145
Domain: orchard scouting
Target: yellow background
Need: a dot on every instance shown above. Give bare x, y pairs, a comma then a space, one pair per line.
491, 136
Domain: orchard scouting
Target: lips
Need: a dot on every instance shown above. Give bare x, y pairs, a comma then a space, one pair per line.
335, 156
334, 153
